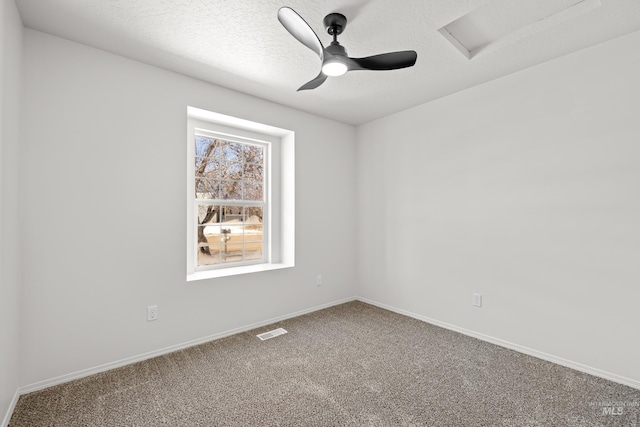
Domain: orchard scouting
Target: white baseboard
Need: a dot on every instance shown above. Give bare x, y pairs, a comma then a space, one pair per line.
129, 360
12, 406
133, 359
516, 347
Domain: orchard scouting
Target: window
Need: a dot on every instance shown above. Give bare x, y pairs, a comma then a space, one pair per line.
230, 181
240, 196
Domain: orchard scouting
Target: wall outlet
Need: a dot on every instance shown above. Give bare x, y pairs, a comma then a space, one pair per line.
477, 300
319, 280
152, 313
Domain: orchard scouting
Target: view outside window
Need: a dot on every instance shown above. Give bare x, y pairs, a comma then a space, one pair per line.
230, 201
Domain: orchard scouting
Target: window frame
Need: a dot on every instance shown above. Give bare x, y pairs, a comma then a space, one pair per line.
240, 136
199, 130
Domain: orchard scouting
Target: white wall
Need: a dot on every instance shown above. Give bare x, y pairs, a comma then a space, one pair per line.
104, 186
525, 189
10, 86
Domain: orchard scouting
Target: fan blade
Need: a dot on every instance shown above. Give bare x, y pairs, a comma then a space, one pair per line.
385, 61
299, 29
315, 82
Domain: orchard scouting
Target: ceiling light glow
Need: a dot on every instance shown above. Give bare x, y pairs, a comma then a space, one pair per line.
334, 68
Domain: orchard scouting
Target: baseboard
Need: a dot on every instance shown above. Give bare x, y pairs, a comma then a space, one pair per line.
138, 358
129, 360
12, 406
516, 347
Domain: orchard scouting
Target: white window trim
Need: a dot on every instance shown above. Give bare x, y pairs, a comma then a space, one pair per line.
280, 191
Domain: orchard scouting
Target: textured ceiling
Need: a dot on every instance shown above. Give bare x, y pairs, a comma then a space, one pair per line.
241, 45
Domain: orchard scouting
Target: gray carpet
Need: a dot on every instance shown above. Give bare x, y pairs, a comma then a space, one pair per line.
349, 365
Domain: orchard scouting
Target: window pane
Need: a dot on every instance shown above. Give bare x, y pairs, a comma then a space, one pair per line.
207, 188
253, 251
231, 190
204, 146
253, 224
231, 253
231, 171
253, 215
207, 167
253, 191
232, 151
209, 234
232, 216
208, 214
253, 171
253, 154
209, 255
232, 226
253, 233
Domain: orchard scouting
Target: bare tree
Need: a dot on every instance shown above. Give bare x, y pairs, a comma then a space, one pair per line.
201, 166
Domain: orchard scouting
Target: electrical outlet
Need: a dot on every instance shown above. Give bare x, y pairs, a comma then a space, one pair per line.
152, 313
319, 280
477, 300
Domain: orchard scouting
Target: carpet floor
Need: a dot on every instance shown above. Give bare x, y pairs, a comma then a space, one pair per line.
348, 365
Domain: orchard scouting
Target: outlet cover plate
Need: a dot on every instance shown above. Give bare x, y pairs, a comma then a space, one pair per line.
477, 300
152, 313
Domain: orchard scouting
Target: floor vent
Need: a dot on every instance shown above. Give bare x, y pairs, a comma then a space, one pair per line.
271, 334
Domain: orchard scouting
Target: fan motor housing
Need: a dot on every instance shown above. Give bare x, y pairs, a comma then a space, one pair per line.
335, 23
336, 48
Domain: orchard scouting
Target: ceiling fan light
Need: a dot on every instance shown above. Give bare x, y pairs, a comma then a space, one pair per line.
334, 68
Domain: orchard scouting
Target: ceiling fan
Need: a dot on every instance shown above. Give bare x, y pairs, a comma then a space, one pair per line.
335, 61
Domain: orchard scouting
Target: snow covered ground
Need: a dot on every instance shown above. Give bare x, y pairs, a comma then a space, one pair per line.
236, 226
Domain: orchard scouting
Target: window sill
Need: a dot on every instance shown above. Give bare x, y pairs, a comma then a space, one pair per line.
234, 271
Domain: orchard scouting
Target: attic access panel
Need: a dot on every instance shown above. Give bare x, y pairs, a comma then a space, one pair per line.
499, 23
